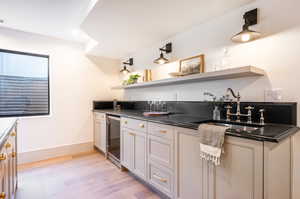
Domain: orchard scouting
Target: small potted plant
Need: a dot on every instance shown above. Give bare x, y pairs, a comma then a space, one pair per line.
132, 79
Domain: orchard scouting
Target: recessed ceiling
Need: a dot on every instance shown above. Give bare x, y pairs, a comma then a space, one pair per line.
117, 27
57, 18
123, 26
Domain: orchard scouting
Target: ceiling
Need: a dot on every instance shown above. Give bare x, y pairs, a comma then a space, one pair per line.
123, 26
57, 18
111, 28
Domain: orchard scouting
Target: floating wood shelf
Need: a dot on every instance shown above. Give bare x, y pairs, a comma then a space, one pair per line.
232, 73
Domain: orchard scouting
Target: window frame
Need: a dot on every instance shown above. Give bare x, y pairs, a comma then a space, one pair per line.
48, 79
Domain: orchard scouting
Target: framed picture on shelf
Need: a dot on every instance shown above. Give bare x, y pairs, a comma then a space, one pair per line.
192, 65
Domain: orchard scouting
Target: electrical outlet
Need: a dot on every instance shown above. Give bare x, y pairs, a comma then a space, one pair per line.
273, 95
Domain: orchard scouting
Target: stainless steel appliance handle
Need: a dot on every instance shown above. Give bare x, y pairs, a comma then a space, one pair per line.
114, 118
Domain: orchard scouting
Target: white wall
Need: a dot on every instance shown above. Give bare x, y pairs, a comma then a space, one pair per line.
277, 53
75, 81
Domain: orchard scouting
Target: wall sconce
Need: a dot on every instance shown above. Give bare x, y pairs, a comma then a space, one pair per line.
124, 69
162, 60
247, 35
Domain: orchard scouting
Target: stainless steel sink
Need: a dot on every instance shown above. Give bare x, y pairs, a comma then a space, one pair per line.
242, 128
237, 127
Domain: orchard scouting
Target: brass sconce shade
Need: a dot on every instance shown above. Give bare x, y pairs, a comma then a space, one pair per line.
247, 35
125, 69
162, 60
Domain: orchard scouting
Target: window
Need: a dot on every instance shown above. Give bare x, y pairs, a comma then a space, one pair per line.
24, 84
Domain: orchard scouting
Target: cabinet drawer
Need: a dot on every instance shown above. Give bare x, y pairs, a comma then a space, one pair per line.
137, 125
161, 179
2, 164
99, 116
160, 151
161, 130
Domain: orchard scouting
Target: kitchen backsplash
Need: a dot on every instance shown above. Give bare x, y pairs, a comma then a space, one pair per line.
281, 112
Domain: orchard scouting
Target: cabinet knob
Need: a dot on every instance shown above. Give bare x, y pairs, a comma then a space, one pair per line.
125, 122
163, 131
2, 195
2, 156
7, 145
142, 125
133, 134
13, 154
13, 134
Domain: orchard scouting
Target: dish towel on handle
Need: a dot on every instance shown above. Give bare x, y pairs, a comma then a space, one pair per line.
211, 142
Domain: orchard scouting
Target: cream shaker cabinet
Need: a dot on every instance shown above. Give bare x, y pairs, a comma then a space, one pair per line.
133, 146
168, 158
100, 131
4, 175
8, 166
190, 168
249, 169
139, 162
147, 151
161, 157
240, 174
127, 149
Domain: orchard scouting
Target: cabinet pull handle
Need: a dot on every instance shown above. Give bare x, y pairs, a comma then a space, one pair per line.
163, 131
7, 145
159, 178
13, 134
13, 154
133, 134
2, 156
142, 125
2, 195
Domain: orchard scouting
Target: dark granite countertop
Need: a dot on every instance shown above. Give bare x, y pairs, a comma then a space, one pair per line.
268, 132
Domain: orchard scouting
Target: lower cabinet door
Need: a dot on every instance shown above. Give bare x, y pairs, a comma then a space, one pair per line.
239, 176
3, 183
103, 137
140, 155
8, 168
8, 146
97, 134
191, 169
13, 165
4, 174
100, 134
127, 146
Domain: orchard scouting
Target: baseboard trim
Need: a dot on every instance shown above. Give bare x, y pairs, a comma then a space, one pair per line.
44, 154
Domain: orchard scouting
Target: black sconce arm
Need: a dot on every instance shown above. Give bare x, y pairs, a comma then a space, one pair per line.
167, 48
250, 18
129, 62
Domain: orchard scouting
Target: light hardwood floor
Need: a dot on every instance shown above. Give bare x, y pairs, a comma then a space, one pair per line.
88, 176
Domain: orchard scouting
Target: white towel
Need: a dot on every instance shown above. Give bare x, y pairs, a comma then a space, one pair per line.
211, 142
